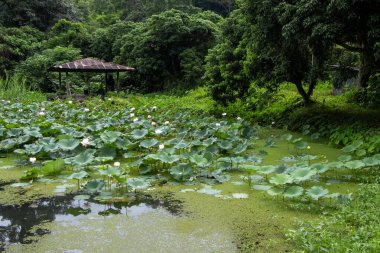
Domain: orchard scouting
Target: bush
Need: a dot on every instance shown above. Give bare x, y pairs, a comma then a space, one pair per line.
354, 228
35, 68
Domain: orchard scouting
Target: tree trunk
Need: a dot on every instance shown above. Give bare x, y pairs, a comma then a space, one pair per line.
366, 67
302, 92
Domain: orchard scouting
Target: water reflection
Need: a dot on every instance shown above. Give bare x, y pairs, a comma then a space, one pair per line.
16, 221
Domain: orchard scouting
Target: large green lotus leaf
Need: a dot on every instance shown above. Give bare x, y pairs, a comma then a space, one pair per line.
354, 165
148, 143
33, 132
181, 145
139, 133
281, 179
317, 192
240, 148
33, 149
225, 144
51, 147
13, 132
303, 173
83, 158
107, 152
377, 156
109, 136
293, 191
320, 167
137, 183
68, 144
336, 165
301, 145
212, 149
239, 159
78, 175
349, 148
371, 161
274, 191
110, 171
23, 139
125, 144
82, 197
94, 186
199, 160
182, 171
53, 167
344, 158
220, 176
208, 142
268, 169
163, 157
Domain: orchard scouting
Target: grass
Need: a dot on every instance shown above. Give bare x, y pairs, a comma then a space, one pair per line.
14, 88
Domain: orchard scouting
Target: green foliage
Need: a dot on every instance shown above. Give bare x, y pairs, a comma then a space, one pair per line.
354, 228
66, 33
16, 44
35, 68
162, 47
224, 70
39, 14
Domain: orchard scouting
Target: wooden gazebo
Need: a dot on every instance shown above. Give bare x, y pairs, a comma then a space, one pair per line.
90, 65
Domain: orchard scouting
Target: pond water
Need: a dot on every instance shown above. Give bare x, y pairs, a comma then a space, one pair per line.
62, 224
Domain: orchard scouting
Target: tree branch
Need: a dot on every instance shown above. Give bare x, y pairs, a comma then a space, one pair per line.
350, 48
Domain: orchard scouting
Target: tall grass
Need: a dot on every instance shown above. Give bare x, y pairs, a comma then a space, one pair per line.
14, 88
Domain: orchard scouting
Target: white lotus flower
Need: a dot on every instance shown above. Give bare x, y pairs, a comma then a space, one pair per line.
131, 115
132, 109
42, 109
116, 164
135, 119
86, 109
161, 146
273, 122
32, 160
85, 142
20, 110
224, 114
149, 116
70, 102
42, 113
217, 124
154, 108
238, 118
158, 131
153, 123
167, 122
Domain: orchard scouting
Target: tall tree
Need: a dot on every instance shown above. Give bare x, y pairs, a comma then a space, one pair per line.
35, 13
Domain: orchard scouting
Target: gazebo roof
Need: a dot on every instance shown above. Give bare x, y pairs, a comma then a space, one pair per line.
90, 65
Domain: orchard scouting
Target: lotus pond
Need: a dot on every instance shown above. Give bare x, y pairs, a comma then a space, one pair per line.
102, 176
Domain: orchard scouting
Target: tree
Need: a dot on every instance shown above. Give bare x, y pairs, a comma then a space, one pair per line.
222, 7
39, 14
35, 68
161, 48
224, 71
16, 44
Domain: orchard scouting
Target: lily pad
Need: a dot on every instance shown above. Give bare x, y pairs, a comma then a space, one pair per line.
293, 191
182, 172
317, 192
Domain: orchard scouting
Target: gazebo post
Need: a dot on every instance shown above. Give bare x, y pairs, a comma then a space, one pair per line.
68, 85
60, 79
105, 79
117, 82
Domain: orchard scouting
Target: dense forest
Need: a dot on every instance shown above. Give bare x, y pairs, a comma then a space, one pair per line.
232, 47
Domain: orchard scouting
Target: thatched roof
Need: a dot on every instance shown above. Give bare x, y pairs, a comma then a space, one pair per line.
90, 65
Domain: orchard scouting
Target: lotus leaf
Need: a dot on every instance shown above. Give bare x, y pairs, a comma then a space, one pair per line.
109, 136
320, 167
274, 191
139, 134
137, 183
78, 175
207, 189
94, 186
301, 145
303, 173
281, 179
344, 158
268, 169
68, 144
317, 192
182, 172
293, 191
149, 143
354, 165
